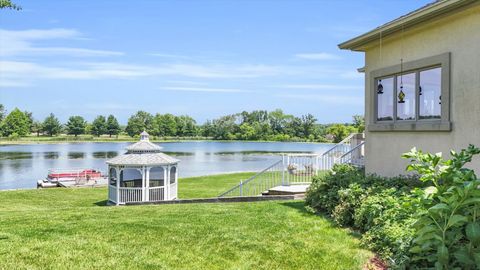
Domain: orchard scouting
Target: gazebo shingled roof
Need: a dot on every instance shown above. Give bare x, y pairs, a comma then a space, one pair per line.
144, 153
146, 159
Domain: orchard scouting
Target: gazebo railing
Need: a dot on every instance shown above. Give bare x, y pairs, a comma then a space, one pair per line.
112, 193
130, 194
156, 193
173, 190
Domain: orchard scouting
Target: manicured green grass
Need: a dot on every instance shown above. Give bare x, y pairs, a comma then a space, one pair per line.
209, 186
72, 229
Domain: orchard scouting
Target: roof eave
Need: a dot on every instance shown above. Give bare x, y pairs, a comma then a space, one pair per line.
423, 14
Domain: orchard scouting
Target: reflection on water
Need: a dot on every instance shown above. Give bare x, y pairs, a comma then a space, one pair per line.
178, 154
105, 154
76, 155
22, 165
16, 155
50, 155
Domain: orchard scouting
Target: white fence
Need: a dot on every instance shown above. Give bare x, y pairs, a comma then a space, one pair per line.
130, 194
156, 193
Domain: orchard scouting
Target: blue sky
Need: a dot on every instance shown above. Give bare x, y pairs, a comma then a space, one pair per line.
201, 58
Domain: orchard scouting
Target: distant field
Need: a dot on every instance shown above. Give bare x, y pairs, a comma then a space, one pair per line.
73, 229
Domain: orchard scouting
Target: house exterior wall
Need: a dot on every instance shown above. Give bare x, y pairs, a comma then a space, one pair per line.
458, 34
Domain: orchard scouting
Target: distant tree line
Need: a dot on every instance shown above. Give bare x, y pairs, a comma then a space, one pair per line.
255, 125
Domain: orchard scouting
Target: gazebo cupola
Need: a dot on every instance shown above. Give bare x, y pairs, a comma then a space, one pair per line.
142, 174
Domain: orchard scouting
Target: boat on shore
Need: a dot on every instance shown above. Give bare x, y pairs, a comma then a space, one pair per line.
72, 178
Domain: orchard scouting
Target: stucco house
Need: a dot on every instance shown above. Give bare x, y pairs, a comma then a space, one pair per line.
422, 84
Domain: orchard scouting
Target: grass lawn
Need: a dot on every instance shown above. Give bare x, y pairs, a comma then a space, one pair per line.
72, 229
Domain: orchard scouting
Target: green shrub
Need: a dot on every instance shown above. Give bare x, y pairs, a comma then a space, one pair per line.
379, 207
447, 229
323, 192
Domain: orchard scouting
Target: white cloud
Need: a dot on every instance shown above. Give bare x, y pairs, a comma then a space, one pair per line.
330, 99
321, 86
15, 43
206, 89
352, 75
172, 56
317, 56
25, 72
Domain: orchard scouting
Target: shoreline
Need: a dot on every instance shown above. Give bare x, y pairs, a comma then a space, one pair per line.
33, 142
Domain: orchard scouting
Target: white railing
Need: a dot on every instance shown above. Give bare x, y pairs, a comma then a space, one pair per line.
260, 182
112, 193
334, 155
130, 194
300, 168
173, 191
156, 193
355, 156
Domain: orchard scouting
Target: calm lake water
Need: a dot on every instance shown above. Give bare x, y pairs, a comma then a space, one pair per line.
22, 165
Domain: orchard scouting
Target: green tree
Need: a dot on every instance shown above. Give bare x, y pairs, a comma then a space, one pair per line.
29, 115
76, 125
186, 126
51, 125
36, 128
340, 132
139, 122
164, 125
16, 122
359, 123
113, 128
99, 126
3, 112
308, 125
4, 4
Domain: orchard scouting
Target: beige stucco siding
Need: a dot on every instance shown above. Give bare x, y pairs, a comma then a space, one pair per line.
458, 34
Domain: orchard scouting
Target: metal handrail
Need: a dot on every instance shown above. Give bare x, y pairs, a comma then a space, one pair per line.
353, 149
251, 178
349, 137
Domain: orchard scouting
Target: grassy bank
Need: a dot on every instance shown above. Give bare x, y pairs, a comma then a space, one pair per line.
72, 229
105, 138
88, 138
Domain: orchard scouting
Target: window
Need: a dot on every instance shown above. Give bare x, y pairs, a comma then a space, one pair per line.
412, 97
173, 172
112, 176
385, 99
430, 94
406, 97
130, 178
157, 177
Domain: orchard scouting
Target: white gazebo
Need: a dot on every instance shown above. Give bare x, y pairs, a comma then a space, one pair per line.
142, 174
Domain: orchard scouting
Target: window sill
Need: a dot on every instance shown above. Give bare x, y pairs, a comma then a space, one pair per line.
411, 126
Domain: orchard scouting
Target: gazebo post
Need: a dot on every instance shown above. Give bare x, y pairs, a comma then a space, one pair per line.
117, 171
143, 183
165, 181
147, 183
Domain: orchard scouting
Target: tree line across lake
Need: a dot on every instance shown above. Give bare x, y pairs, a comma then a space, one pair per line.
256, 125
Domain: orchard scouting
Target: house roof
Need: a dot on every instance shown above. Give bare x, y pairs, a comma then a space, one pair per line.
423, 14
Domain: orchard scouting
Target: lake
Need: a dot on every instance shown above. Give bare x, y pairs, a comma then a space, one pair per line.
22, 165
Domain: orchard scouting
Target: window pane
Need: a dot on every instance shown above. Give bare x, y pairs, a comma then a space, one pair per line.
406, 97
385, 99
430, 85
